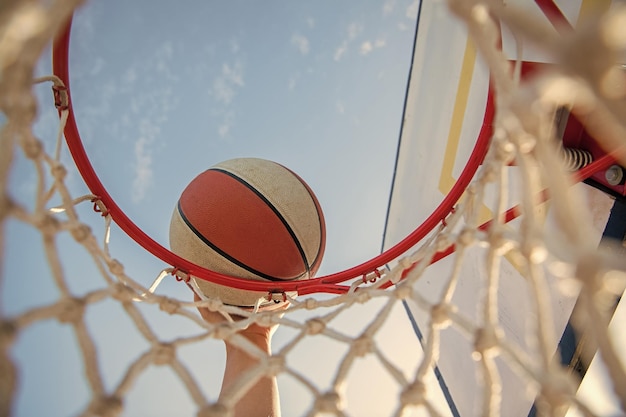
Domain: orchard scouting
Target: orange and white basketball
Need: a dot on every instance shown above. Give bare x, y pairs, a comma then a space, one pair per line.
249, 218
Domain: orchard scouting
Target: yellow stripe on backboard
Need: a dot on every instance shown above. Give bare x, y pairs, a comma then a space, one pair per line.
446, 179
592, 7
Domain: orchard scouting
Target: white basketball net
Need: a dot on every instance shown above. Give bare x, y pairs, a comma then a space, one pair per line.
523, 134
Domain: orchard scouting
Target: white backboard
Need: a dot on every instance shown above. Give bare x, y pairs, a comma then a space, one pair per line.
444, 115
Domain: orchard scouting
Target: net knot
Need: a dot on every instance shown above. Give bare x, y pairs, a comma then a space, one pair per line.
170, 306
47, 224
213, 304
525, 143
106, 407
275, 365
310, 304
58, 171
215, 410
490, 172
71, 310
32, 148
363, 345
8, 332
122, 292
534, 251
467, 236
413, 394
498, 239
329, 402
440, 315
6, 205
505, 150
221, 331
264, 320
116, 267
80, 232
403, 292
405, 262
588, 271
486, 342
315, 326
163, 354
442, 242
363, 297
556, 390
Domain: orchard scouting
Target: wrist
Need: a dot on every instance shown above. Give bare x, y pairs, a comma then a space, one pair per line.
260, 340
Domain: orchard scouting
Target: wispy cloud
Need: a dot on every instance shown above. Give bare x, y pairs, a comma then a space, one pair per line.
225, 85
97, 66
368, 46
340, 51
143, 169
155, 109
389, 6
142, 180
411, 11
340, 107
152, 109
234, 46
301, 43
163, 60
293, 80
228, 119
353, 30
145, 89
130, 76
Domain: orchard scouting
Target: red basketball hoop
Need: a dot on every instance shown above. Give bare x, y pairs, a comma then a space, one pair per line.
330, 283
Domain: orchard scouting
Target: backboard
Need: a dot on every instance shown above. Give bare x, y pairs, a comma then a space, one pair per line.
447, 108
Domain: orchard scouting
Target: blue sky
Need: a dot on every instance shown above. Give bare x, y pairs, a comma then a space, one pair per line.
316, 86
162, 91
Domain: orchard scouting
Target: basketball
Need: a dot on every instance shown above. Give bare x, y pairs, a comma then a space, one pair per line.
248, 218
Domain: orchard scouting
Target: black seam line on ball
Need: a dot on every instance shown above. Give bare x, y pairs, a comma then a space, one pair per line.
277, 213
318, 212
226, 255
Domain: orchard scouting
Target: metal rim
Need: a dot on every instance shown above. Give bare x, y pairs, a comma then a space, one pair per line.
329, 283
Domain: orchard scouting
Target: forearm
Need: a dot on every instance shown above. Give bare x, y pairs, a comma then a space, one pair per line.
262, 399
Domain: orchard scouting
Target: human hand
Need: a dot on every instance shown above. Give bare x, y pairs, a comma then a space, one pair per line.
263, 398
259, 335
